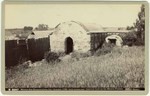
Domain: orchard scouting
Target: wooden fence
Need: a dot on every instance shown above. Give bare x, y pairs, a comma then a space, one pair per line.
17, 51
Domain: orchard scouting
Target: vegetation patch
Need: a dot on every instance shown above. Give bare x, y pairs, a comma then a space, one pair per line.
51, 57
106, 48
122, 68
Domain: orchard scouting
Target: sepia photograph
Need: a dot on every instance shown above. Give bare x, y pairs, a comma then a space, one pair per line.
80, 46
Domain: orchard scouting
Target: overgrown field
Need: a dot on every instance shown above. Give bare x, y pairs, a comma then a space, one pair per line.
122, 68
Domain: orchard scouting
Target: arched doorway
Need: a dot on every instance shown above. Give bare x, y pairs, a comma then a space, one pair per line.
68, 45
112, 41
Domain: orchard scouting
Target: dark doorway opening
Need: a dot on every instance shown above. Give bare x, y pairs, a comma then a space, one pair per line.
112, 41
68, 45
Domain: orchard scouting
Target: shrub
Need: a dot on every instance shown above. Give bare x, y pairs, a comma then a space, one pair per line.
139, 42
51, 57
130, 39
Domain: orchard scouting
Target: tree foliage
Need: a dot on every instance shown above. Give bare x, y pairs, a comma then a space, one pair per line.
139, 27
140, 24
130, 28
28, 28
42, 27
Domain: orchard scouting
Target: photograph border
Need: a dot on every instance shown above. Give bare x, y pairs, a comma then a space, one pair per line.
70, 92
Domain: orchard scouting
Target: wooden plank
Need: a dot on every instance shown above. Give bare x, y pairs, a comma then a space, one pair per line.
31, 49
11, 53
22, 51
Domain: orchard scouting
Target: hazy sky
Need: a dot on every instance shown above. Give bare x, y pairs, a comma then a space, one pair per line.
109, 15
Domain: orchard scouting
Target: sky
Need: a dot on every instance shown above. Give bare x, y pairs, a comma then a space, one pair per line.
107, 15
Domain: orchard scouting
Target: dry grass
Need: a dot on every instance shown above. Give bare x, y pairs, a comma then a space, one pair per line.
122, 68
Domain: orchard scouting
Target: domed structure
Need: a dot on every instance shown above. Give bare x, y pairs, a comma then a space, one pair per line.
70, 36
76, 36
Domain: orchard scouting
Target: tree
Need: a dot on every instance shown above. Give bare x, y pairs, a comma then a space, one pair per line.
139, 27
140, 24
28, 28
42, 27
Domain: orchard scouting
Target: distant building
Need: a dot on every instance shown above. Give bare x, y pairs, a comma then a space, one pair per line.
19, 33
10, 36
75, 36
31, 35
41, 34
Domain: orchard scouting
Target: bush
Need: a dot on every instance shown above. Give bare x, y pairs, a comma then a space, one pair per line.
106, 48
130, 39
139, 42
51, 57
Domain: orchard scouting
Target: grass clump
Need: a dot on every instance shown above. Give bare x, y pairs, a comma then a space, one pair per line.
105, 49
80, 54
